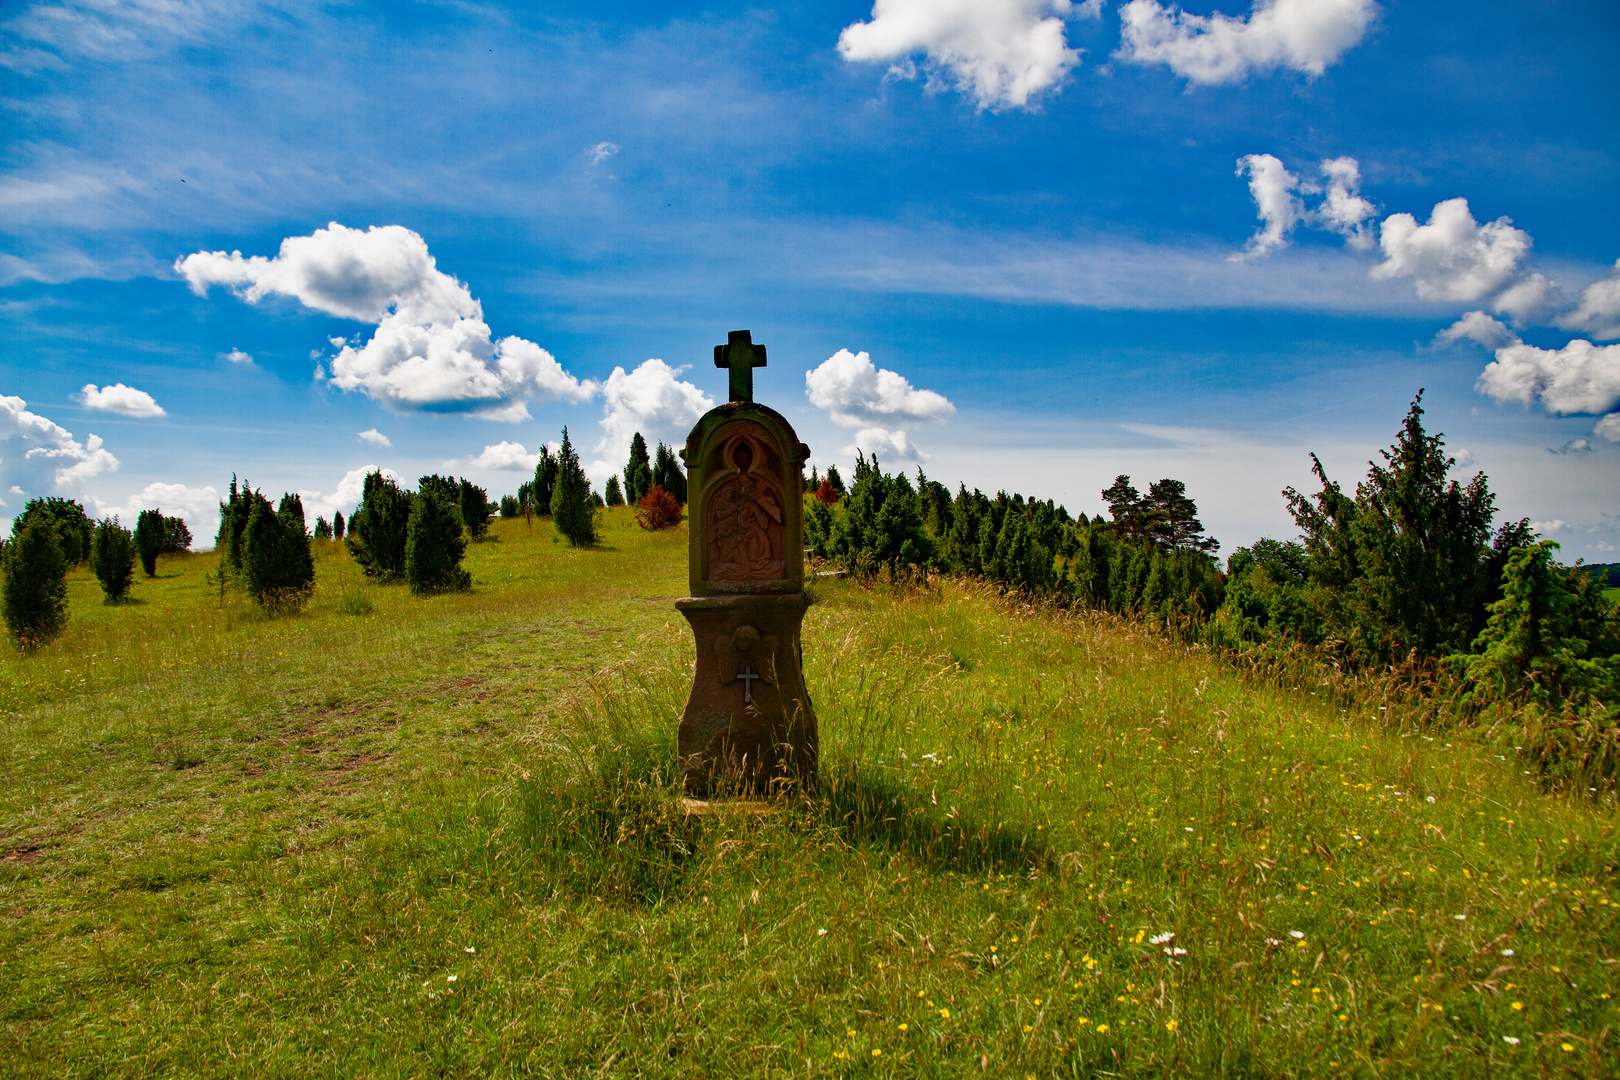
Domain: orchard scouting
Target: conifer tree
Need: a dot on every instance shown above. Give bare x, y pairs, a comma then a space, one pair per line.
150, 538
571, 509
434, 544
112, 558
836, 482
233, 519
323, 528
377, 531
176, 536
637, 472
35, 590
72, 526
278, 568
337, 525
614, 496
545, 482
475, 508
667, 474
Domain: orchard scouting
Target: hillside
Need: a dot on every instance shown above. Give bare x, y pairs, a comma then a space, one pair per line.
394, 836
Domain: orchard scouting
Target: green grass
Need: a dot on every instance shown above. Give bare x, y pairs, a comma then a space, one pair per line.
1612, 595
394, 836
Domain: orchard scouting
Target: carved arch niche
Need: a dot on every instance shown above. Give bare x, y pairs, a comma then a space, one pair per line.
745, 509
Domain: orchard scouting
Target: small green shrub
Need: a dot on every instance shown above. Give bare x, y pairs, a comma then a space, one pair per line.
354, 604
35, 592
112, 558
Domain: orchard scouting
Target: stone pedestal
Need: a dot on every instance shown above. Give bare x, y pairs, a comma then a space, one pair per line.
748, 726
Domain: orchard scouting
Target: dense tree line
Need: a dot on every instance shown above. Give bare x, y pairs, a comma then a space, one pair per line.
1410, 568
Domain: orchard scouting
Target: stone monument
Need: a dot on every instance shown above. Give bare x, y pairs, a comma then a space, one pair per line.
748, 727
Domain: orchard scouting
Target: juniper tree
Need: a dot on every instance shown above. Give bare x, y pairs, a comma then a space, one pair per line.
73, 526
176, 536
323, 528
278, 568
638, 471
434, 544
473, 502
233, 519
377, 531
112, 558
545, 482
571, 509
337, 525
150, 538
667, 474
613, 495
510, 507
35, 590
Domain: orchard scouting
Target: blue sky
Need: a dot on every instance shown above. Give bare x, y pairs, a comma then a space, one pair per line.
1025, 244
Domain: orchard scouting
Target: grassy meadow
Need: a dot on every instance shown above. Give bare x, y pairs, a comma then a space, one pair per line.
392, 836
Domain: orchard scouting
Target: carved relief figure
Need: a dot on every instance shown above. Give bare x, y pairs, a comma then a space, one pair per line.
745, 525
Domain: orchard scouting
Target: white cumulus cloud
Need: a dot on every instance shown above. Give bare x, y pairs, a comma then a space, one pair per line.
1280, 207
197, 506
1273, 187
431, 349
1478, 327
1343, 209
999, 52
237, 356
1598, 313
345, 497
602, 151
374, 437
1608, 428
121, 399
1453, 257
39, 456
1578, 447
1549, 528
1302, 35
1578, 378
880, 405
653, 400
505, 455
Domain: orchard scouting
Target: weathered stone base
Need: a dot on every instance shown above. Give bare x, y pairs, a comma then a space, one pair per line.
764, 746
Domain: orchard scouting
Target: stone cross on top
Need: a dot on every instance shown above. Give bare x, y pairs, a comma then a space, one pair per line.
742, 356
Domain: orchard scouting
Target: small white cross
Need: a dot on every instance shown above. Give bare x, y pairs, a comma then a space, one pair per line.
747, 674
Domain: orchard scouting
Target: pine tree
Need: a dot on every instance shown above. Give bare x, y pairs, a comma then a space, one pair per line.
545, 482
112, 558
638, 471
614, 495
377, 532
149, 539
667, 474
434, 544
35, 590
337, 525
571, 509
